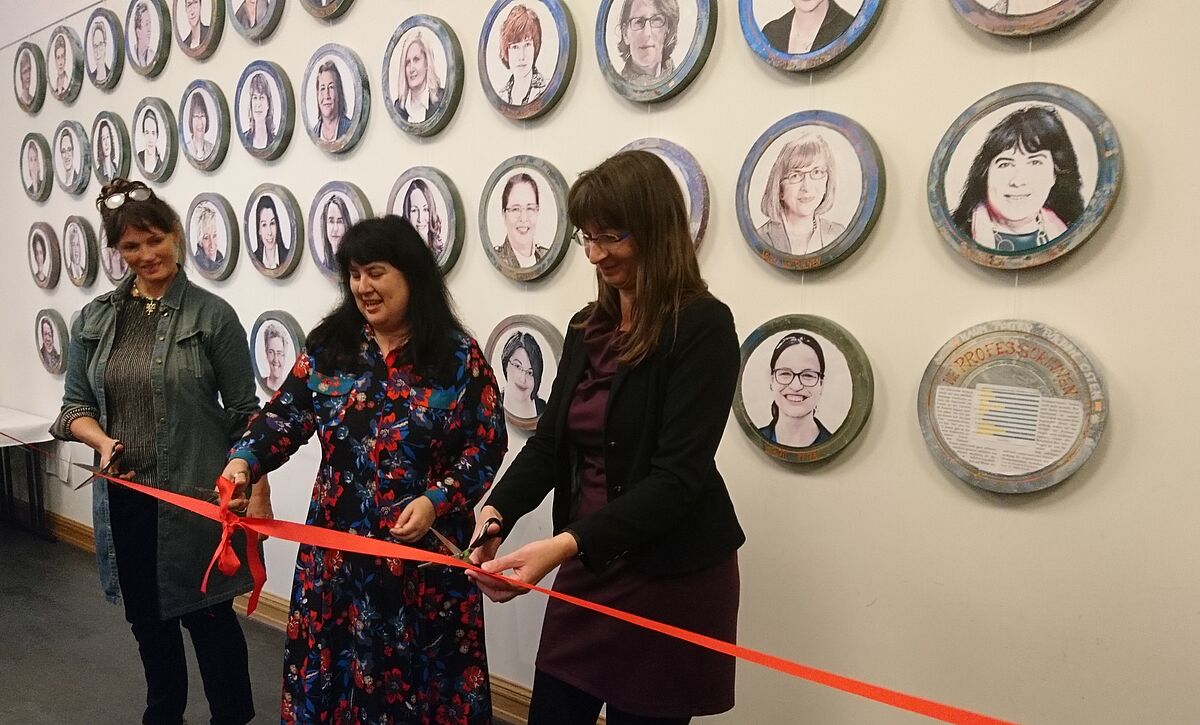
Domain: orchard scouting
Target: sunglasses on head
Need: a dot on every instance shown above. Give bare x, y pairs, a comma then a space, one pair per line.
117, 199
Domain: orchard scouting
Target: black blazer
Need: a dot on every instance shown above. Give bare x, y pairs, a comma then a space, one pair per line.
668, 509
837, 21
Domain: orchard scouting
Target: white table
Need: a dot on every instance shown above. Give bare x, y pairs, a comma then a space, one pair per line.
27, 428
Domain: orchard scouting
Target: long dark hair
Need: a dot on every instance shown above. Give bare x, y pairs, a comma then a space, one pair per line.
788, 340
1031, 129
432, 323
635, 191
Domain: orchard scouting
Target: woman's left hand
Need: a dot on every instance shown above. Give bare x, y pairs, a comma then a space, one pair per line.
415, 520
529, 564
260, 503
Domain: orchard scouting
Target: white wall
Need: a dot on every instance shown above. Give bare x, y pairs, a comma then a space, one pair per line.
1075, 605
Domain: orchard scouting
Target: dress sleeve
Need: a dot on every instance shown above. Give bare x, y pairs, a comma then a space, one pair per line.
483, 437
282, 426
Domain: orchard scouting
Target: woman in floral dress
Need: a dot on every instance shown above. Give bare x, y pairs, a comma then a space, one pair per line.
407, 412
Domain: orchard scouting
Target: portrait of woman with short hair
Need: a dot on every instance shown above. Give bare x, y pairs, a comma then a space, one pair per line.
330, 92
60, 77
649, 34
33, 170
520, 45
520, 204
25, 85
69, 161
75, 255
145, 37
208, 253
808, 25
50, 346
197, 144
40, 262
99, 67
278, 355
1024, 187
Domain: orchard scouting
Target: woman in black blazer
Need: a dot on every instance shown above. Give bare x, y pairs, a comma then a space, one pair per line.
642, 519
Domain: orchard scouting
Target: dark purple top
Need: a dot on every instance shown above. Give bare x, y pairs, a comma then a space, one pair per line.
631, 668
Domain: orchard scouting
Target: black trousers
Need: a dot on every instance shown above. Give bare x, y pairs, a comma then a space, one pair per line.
215, 631
554, 702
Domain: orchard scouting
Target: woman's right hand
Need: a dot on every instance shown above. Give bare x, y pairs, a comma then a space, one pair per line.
238, 471
486, 551
109, 449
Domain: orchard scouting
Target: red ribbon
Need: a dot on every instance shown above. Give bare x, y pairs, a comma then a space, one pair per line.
227, 562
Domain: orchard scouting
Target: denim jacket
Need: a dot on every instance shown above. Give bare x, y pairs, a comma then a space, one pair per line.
200, 353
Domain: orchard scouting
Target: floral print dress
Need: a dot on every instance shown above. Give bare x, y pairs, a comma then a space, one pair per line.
373, 640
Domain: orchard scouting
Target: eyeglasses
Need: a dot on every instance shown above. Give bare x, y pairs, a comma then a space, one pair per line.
808, 378
528, 210
795, 176
117, 199
519, 369
604, 241
656, 21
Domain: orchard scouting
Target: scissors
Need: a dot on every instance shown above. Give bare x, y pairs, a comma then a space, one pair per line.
465, 554
206, 494
98, 472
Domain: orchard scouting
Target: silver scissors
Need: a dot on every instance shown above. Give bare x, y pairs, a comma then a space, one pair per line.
465, 554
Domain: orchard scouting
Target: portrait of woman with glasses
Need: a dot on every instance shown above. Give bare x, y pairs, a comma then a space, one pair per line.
627, 442
801, 188
649, 32
520, 205
522, 365
797, 377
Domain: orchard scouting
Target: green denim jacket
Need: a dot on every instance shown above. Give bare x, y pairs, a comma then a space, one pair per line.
203, 396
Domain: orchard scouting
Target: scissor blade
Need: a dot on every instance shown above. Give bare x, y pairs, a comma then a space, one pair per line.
94, 470
447, 543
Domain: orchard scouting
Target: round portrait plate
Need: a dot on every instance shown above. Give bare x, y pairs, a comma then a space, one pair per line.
36, 181
73, 180
205, 99
167, 143
289, 228
265, 18
260, 347
149, 58
846, 387
445, 218
499, 252
695, 183
542, 368
45, 274
1011, 406
852, 162
28, 53
65, 84
105, 165
768, 36
353, 208
54, 359
212, 214
443, 100
78, 230
103, 36
326, 9
632, 82
281, 109
563, 29
1047, 15
208, 34
111, 263
353, 105
1081, 151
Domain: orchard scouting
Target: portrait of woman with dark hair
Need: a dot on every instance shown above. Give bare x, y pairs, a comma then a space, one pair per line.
802, 186
335, 220
252, 12
49, 350
270, 251
520, 203
1023, 189
522, 364
260, 121
434, 453
420, 209
520, 44
66, 158
106, 151
649, 32
144, 46
809, 26
797, 377
99, 67
207, 255
149, 157
39, 261
332, 119
421, 87
198, 147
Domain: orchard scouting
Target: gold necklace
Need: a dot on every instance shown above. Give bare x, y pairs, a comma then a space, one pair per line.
151, 303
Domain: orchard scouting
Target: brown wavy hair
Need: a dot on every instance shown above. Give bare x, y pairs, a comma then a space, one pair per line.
153, 213
635, 192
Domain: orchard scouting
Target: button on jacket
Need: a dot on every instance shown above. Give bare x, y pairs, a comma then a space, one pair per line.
200, 353
668, 510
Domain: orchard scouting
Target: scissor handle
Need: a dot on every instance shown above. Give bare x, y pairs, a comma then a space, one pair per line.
483, 533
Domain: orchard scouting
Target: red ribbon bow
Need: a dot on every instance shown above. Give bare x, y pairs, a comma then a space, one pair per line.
225, 558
